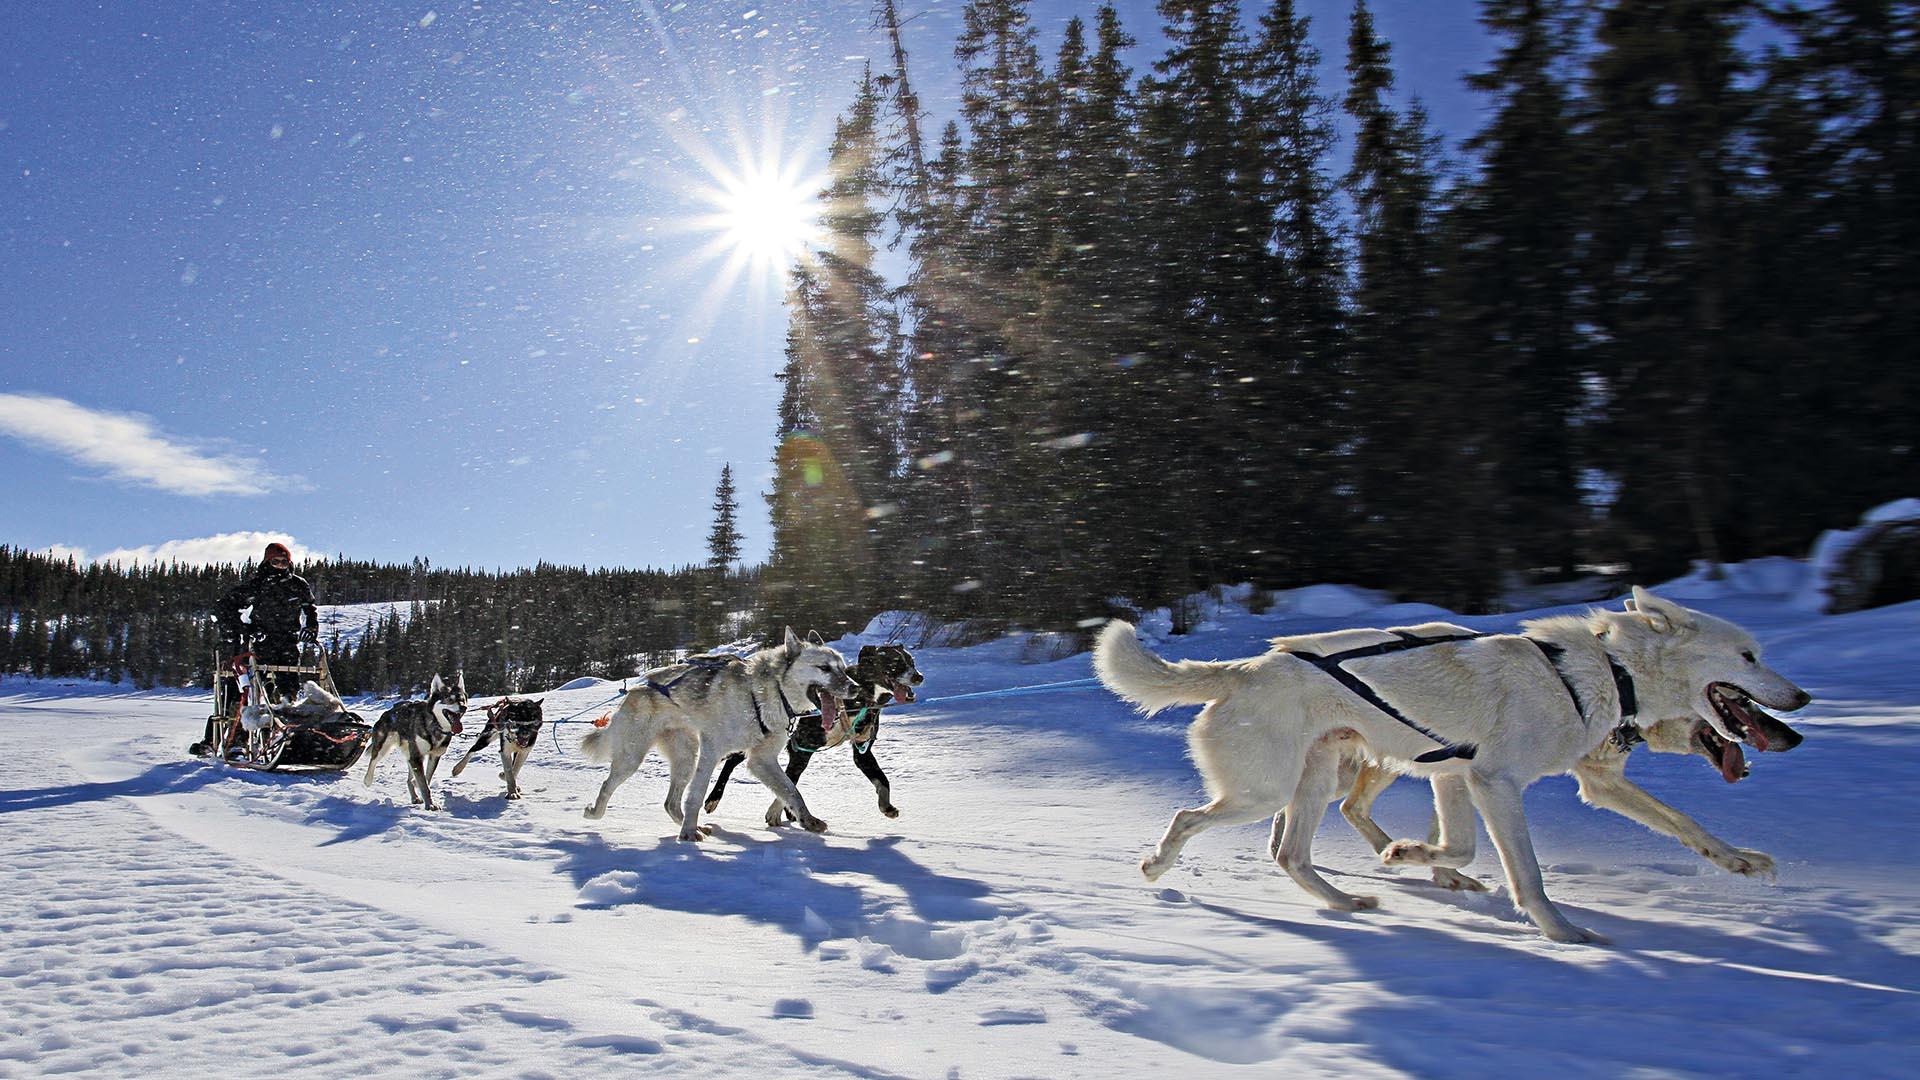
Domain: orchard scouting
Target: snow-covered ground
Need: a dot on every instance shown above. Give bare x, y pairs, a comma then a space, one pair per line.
349, 622
163, 915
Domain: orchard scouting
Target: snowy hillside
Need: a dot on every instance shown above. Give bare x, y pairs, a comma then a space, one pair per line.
166, 915
350, 621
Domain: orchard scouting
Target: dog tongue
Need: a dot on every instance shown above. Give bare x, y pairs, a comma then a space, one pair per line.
829, 711
902, 692
1733, 763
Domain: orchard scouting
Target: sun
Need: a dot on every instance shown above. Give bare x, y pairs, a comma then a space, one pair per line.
765, 215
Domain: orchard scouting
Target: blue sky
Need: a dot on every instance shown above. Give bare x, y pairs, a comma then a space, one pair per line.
432, 280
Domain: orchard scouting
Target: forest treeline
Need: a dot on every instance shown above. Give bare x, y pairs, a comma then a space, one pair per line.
1221, 320
530, 629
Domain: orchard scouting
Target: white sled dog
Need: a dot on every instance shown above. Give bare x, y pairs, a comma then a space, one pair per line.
700, 711
1601, 775
1482, 717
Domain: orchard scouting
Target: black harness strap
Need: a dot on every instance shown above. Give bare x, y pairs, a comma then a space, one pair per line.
1332, 665
1625, 735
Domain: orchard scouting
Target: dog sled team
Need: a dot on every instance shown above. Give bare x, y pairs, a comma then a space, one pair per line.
1479, 716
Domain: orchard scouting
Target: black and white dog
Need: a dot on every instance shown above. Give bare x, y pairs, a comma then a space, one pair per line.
517, 721
883, 675
426, 729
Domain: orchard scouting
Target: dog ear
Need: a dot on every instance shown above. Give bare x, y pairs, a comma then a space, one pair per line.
460, 677
814, 638
1664, 616
436, 687
793, 644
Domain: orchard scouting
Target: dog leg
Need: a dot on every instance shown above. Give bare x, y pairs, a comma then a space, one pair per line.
870, 765
461, 765
778, 813
514, 759
1236, 809
1357, 807
680, 749
375, 752
1607, 787
1453, 833
706, 759
1318, 776
720, 783
426, 771
765, 766
417, 776
622, 767
1499, 802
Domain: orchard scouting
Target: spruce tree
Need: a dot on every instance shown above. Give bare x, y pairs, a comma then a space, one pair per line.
1512, 300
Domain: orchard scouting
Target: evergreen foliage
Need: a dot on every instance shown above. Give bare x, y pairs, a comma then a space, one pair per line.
1149, 343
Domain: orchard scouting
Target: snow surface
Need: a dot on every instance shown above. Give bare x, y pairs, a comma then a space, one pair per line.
168, 916
349, 622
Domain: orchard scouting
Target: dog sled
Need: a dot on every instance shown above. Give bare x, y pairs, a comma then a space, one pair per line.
253, 726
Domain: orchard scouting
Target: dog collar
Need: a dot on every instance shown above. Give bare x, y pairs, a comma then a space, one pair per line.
1626, 733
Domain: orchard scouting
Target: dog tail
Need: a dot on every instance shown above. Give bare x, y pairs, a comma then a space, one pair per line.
593, 746
1129, 670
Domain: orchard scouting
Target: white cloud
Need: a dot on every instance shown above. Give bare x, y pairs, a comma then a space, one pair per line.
127, 447
233, 547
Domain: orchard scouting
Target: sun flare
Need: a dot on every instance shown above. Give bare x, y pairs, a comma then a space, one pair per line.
764, 215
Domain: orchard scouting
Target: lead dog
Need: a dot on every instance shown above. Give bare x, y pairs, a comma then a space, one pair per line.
1601, 775
425, 729
1482, 718
882, 675
698, 713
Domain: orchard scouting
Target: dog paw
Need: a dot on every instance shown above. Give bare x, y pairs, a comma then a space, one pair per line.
594, 813
813, 824
1455, 880
1152, 868
1569, 934
776, 821
1353, 903
1743, 862
1406, 853
711, 805
890, 811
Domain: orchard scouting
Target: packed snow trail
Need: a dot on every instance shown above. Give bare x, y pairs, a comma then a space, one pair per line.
131, 950
165, 912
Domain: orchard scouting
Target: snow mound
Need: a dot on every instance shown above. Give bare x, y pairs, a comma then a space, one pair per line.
585, 682
1774, 576
1329, 601
1830, 551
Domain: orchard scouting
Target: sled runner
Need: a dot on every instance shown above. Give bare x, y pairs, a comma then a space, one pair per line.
255, 727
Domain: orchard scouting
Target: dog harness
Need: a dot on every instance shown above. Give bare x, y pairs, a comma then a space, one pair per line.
1626, 734
1333, 665
525, 732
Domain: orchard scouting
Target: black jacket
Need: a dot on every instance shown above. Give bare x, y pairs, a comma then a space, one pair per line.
282, 603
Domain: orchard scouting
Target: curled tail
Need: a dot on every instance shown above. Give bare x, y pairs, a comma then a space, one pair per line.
1129, 670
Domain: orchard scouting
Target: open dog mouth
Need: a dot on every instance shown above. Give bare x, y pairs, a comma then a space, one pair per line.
901, 691
828, 704
1749, 723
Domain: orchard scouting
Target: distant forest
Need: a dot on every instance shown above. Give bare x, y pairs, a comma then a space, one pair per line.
1215, 322
521, 630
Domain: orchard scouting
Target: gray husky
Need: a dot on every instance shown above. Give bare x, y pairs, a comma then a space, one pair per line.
1482, 717
699, 711
425, 729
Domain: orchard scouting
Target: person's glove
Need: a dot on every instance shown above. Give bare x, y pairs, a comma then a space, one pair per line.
310, 635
